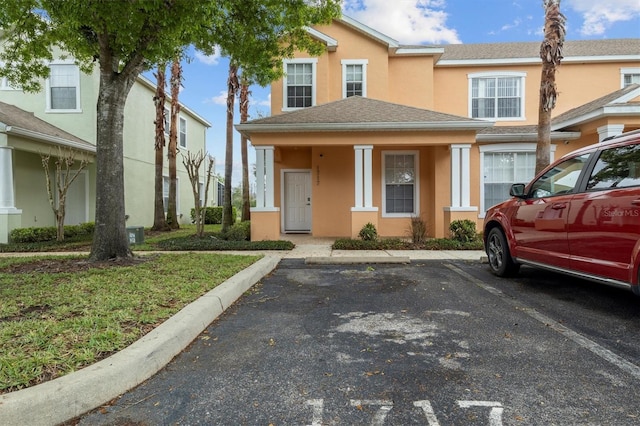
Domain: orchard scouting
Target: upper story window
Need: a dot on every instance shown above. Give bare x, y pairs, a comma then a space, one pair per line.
167, 121
182, 133
299, 83
400, 184
63, 88
629, 76
497, 96
354, 78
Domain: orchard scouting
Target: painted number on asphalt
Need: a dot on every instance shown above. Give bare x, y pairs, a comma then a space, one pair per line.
385, 406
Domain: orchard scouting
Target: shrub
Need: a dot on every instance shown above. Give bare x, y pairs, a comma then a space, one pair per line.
418, 230
240, 231
368, 232
463, 231
211, 243
383, 244
48, 233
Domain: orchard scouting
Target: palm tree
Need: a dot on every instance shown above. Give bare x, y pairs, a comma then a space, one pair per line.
232, 91
244, 115
175, 81
159, 221
551, 55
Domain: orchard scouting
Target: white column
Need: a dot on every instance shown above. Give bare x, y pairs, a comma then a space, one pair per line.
363, 168
7, 200
368, 179
269, 180
460, 175
264, 178
260, 190
609, 130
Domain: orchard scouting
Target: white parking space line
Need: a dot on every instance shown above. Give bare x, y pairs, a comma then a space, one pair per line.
586, 343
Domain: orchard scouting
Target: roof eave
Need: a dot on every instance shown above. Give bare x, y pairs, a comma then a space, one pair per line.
55, 140
535, 60
526, 137
606, 111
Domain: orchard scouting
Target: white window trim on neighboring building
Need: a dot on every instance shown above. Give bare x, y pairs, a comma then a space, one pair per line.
165, 178
76, 69
628, 71
504, 148
182, 131
314, 65
345, 63
416, 184
497, 75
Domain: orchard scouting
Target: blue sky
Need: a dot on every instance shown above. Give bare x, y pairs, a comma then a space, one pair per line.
413, 22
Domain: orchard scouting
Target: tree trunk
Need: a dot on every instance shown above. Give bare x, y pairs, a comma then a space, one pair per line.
159, 221
110, 237
232, 90
172, 212
551, 55
244, 115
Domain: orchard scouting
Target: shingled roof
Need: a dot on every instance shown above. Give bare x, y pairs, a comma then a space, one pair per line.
356, 113
531, 50
21, 122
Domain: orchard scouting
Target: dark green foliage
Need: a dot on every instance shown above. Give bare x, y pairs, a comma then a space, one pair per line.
463, 231
209, 242
239, 232
48, 233
213, 215
368, 232
398, 244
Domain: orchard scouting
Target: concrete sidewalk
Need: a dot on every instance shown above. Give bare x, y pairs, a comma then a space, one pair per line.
70, 396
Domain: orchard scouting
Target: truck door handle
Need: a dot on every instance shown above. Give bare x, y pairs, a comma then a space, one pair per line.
559, 206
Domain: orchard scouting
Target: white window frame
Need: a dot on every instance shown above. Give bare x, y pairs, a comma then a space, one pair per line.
416, 184
78, 107
165, 178
345, 63
498, 75
314, 75
201, 193
182, 131
4, 83
507, 148
627, 71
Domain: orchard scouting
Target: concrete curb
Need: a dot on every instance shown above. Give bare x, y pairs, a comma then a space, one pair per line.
70, 396
350, 260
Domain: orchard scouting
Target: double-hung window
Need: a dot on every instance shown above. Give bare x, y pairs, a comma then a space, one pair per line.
354, 78
299, 83
503, 165
496, 96
165, 194
400, 184
63, 88
629, 76
182, 132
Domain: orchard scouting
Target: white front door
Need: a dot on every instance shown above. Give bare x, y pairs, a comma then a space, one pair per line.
297, 201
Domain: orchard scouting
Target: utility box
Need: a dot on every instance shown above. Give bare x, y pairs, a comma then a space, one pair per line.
136, 234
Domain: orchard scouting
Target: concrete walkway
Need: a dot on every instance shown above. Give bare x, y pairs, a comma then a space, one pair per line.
70, 396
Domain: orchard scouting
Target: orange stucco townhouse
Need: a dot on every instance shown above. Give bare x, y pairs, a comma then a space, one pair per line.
374, 131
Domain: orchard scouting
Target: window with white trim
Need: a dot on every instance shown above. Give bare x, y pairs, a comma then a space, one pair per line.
496, 96
299, 84
63, 88
503, 165
165, 194
201, 193
400, 184
182, 132
629, 76
354, 78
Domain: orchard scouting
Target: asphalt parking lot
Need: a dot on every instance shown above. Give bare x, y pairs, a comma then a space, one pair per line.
430, 343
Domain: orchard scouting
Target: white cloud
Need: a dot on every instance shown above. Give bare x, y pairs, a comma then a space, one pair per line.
221, 99
208, 59
407, 21
599, 15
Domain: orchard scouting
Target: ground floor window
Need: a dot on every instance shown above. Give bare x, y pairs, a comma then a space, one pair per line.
399, 191
165, 194
503, 165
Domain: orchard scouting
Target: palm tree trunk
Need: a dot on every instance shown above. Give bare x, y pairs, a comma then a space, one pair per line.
551, 55
172, 212
232, 90
159, 221
244, 115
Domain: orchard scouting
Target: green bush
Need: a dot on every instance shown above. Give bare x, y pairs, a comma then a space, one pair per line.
382, 244
49, 233
213, 215
240, 231
463, 231
210, 242
368, 232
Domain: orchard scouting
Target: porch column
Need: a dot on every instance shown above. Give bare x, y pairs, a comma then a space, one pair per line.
609, 130
363, 211
461, 208
10, 216
265, 217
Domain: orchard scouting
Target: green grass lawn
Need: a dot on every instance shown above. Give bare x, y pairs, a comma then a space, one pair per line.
59, 314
